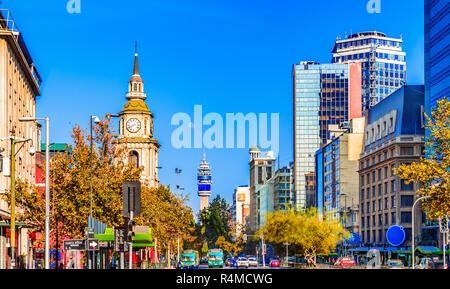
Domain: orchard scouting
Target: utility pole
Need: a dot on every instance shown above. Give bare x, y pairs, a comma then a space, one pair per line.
178, 172
130, 250
13, 199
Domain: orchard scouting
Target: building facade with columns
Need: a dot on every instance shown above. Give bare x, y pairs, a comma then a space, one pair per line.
19, 87
136, 130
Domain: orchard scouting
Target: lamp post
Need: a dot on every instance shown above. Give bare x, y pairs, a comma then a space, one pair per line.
345, 216
412, 231
47, 185
178, 172
14, 141
96, 120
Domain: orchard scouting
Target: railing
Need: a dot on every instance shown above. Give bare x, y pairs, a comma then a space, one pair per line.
7, 23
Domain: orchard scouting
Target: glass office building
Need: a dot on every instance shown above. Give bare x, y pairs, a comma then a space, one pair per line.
324, 95
437, 56
382, 59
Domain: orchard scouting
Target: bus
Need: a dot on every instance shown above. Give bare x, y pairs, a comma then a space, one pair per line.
215, 258
189, 259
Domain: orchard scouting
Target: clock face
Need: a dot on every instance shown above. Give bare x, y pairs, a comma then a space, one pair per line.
133, 125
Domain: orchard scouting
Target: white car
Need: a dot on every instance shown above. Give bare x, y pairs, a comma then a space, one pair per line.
241, 262
252, 261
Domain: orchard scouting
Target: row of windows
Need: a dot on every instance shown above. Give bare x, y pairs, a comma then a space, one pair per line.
361, 42
366, 236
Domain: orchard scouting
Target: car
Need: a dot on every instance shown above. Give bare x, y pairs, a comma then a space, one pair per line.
252, 261
242, 262
274, 263
395, 264
289, 261
230, 262
430, 263
345, 262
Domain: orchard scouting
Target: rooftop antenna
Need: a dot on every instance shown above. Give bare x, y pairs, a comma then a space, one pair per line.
135, 47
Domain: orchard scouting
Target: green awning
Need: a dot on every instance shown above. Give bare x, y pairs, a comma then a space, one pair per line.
138, 238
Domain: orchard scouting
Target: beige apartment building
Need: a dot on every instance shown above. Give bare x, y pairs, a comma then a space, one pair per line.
19, 87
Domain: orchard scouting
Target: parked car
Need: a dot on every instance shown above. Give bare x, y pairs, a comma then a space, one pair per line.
395, 264
230, 262
430, 263
345, 262
242, 262
289, 261
252, 261
274, 263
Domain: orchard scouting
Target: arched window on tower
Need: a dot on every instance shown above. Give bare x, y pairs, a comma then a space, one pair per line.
135, 87
133, 159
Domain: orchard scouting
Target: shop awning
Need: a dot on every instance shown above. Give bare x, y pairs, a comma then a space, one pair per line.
139, 238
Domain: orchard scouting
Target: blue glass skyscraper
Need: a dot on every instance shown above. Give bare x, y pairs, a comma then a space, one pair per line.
437, 52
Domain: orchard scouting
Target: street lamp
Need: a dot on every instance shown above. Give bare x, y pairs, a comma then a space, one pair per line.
412, 215
96, 120
178, 172
32, 151
47, 185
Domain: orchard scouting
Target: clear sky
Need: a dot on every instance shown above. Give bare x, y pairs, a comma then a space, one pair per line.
228, 55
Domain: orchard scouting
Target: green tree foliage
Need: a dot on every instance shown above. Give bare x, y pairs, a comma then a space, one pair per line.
309, 234
215, 221
433, 171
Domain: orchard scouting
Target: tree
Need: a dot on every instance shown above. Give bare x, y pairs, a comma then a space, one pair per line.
235, 244
165, 212
433, 171
215, 221
305, 230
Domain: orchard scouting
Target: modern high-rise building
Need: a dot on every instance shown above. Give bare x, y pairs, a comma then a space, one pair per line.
241, 207
437, 56
324, 95
382, 59
261, 170
19, 87
204, 182
337, 175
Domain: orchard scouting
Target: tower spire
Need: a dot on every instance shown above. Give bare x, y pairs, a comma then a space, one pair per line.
136, 64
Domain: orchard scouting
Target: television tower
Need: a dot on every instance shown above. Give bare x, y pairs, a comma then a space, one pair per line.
204, 183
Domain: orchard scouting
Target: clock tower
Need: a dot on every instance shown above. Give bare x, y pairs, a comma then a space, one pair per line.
136, 130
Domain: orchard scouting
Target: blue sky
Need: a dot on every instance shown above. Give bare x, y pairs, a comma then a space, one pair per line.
228, 55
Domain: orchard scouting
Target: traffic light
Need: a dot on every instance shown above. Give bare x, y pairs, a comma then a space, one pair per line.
130, 230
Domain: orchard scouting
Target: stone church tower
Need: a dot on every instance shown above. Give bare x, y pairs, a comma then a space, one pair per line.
136, 130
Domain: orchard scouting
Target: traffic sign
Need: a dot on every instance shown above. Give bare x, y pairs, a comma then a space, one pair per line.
103, 244
89, 233
92, 244
395, 235
74, 245
131, 193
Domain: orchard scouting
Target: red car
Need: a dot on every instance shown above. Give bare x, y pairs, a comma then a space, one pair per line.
274, 263
345, 262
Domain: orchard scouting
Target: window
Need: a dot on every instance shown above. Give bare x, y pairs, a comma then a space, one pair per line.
406, 217
374, 191
379, 174
133, 159
393, 220
373, 206
406, 151
393, 202
406, 201
380, 205
368, 207
385, 172
368, 192
406, 187
386, 188
380, 236
362, 180
408, 234
380, 189
380, 220
362, 194
393, 186
373, 176
386, 219
374, 221
385, 203
362, 222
